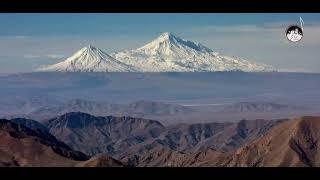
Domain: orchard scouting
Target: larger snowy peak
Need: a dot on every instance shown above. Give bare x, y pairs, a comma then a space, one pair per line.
170, 53
89, 59
168, 44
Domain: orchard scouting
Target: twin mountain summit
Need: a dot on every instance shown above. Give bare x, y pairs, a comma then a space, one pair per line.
166, 53
205, 126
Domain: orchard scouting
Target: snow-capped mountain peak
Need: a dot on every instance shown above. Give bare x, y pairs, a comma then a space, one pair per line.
89, 59
167, 43
168, 52
164, 37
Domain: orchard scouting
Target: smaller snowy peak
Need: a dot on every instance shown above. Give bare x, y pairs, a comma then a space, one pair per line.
90, 48
89, 52
89, 59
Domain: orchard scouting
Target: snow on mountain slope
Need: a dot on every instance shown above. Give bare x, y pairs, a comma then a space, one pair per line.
171, 53
89, 59
167, 53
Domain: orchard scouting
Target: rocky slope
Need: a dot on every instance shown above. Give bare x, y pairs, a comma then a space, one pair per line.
21, 146
115, 135
35, 147
146, 143
292, 143
94, 135
32, 124
101, 160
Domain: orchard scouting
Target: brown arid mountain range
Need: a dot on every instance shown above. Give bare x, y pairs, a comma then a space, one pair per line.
21, 146
293, 143
115, 135
145, 143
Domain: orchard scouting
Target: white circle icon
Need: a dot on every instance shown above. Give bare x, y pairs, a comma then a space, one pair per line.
294, 33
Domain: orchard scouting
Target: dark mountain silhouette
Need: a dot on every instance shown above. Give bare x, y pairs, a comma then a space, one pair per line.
32, 124
23, 146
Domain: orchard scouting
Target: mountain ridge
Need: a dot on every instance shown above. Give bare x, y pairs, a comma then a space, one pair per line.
285, 143
115, 135
32, 146
22, 146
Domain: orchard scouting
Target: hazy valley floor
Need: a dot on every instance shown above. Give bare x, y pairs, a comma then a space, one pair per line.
168, 97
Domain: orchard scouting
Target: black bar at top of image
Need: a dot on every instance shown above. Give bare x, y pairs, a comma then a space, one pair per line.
150, 6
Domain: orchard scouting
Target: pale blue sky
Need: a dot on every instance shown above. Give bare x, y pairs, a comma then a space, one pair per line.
30, 40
